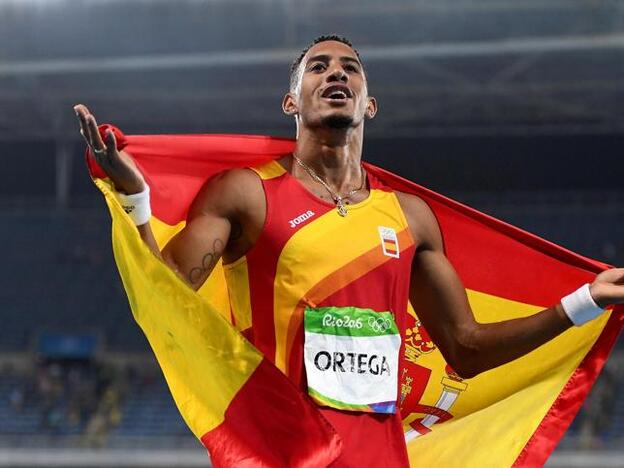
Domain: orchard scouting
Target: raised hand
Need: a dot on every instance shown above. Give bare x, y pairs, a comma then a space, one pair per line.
608, 287
118, 165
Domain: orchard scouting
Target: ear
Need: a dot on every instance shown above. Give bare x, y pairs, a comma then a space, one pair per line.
371, 108
289, 105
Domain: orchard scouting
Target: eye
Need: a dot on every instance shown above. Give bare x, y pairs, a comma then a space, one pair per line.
352, 68
318, 66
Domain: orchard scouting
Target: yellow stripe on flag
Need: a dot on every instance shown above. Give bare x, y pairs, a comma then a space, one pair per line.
191, 340
498, 411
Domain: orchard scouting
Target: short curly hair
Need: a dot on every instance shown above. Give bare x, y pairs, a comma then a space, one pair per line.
294, 68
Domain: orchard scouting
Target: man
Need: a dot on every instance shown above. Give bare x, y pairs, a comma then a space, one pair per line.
300, 235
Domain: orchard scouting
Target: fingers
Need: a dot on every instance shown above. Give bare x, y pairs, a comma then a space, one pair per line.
618, 275
111, 144
81, 113
613, 276
98, 144
88, 128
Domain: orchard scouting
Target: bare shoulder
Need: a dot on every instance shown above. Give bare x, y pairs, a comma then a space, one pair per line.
421, 220
229, 194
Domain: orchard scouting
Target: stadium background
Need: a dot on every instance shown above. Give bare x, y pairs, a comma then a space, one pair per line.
515, 108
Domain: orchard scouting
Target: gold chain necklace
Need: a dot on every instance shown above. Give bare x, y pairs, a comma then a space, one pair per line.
338, 199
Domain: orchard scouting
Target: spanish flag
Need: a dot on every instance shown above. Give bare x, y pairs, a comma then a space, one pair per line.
513, 415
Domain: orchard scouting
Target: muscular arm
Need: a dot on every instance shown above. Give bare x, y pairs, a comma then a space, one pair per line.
194, 251
440, 300
218, 223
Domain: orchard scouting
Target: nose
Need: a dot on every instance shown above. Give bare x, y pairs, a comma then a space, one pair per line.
337, 74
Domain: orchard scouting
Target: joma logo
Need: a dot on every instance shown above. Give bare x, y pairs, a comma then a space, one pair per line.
301, 218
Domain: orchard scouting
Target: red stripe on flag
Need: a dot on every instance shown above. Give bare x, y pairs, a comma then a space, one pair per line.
271, 423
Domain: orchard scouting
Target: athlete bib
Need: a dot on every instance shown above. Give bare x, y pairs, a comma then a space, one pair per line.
351, 358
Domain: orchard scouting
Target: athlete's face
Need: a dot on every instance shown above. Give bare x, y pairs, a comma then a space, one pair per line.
331, 90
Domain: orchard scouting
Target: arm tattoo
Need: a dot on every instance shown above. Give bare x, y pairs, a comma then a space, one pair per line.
208, 262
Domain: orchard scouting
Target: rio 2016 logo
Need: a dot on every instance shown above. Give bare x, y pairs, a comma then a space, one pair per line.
344, 322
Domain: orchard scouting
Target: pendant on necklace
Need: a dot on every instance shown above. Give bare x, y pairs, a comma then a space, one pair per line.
342, 210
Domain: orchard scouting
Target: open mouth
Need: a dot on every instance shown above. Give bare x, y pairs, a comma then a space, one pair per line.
337, 93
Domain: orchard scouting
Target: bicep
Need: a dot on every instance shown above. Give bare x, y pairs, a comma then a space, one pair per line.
194, 251
438, 297
436, 291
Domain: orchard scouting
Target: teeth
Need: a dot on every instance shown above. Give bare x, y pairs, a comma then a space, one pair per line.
338, 95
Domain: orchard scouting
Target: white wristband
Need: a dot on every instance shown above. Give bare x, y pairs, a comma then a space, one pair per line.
136, 205
580, 306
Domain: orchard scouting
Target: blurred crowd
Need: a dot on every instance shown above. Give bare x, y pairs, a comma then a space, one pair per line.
596, 420
71, 397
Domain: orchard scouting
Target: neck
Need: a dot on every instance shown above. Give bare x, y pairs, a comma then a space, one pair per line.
334, 155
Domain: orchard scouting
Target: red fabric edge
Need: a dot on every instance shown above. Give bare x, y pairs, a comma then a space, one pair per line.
560, 415
264, 424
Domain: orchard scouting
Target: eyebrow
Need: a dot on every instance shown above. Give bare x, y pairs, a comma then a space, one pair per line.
327, 58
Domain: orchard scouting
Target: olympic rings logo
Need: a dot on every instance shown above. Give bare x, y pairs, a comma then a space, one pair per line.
379, 325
